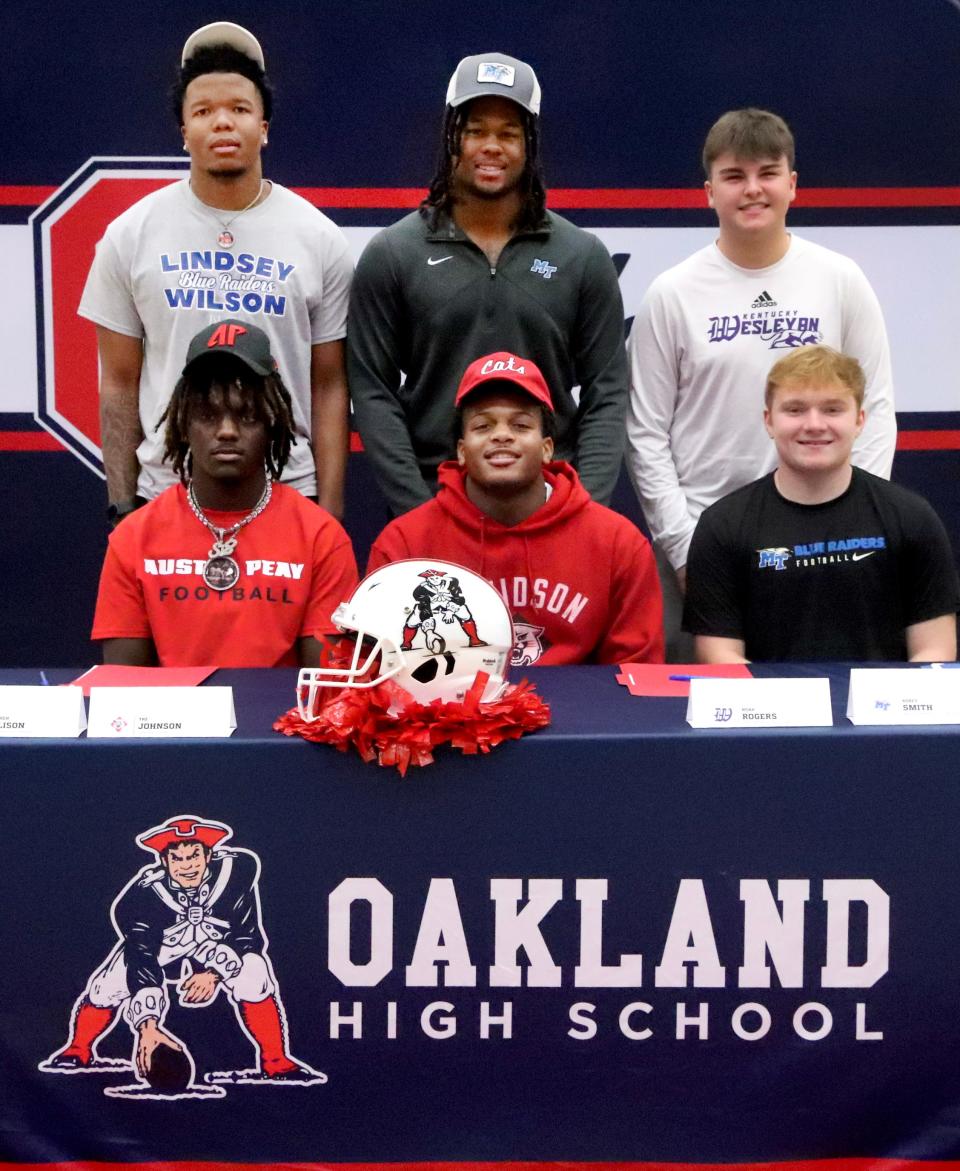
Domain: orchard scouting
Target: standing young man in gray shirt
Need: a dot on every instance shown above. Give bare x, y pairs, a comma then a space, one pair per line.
483, 266
226, 242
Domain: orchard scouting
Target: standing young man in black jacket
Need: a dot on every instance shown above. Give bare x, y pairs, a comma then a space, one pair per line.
482, 266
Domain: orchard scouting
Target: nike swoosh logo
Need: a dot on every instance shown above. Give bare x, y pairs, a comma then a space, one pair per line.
860, 556
432, 261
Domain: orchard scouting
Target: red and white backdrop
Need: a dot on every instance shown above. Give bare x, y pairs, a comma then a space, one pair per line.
829, 870
868, 88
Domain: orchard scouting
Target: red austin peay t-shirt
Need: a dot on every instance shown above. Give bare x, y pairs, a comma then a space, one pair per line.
296, 566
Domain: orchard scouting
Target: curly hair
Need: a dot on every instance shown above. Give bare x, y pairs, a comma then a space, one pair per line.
268, 396
220, 59
440, 197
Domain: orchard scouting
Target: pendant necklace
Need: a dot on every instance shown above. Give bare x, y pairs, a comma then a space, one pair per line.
226, 238
221, 571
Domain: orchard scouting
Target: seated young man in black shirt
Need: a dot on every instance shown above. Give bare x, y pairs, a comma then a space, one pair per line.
820, 560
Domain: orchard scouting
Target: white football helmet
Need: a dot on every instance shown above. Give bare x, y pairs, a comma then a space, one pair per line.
428, 624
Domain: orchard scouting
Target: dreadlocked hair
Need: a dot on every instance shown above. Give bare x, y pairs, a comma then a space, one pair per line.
268, 395
440, 197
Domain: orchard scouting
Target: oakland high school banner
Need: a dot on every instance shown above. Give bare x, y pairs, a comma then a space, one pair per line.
616, 940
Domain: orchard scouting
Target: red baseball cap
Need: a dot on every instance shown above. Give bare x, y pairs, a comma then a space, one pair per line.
504, 367
183, 831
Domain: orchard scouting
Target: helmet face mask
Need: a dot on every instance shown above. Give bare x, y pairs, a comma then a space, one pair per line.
429, 625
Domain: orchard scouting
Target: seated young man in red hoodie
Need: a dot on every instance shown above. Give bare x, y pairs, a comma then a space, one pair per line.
579, 579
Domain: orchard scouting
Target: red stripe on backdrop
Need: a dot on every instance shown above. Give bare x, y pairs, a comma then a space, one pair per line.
29, 441
24, 196
878, 197
512, 1165
906, 441
683, 198
648, 199
625, 198
928, 441
375, 197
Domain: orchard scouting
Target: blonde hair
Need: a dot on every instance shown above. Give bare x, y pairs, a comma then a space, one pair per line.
816, 365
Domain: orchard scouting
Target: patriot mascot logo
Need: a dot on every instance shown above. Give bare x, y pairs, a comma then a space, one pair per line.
188, 926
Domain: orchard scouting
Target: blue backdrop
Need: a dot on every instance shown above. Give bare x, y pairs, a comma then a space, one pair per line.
869, 87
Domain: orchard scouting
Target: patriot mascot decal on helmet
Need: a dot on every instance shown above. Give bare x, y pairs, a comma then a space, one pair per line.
423, 662
438, 599
430, 626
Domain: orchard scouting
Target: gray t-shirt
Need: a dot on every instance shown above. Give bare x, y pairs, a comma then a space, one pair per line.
159, 274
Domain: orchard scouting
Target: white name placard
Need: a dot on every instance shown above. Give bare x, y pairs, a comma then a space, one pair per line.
903, 695
147, 712
41, 711
759, 703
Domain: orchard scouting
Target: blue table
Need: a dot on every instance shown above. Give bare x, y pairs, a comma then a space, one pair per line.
618, 791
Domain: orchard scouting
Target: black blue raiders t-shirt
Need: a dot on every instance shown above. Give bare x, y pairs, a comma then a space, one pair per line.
835, 581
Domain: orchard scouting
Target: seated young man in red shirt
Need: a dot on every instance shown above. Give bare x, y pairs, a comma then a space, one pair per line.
228, 568
579, 580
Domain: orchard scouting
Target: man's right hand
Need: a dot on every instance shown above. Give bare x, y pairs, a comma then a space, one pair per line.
150, 1035
120, 509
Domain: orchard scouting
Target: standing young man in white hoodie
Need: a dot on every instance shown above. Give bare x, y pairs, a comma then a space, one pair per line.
709, 330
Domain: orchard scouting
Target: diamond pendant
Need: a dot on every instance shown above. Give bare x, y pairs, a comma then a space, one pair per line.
225, 239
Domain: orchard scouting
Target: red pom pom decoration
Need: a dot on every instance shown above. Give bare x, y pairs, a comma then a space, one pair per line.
385, 724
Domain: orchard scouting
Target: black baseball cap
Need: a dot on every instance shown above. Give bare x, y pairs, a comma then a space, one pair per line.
241, 339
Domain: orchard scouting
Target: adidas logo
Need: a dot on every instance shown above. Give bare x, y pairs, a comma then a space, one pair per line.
764, 301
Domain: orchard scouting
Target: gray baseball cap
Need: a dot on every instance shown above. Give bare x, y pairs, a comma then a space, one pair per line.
495, 75
223, 32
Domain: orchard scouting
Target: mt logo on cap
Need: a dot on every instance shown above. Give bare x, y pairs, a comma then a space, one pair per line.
496, 72
495, 75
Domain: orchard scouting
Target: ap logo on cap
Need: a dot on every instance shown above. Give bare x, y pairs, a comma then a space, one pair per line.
496, 71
